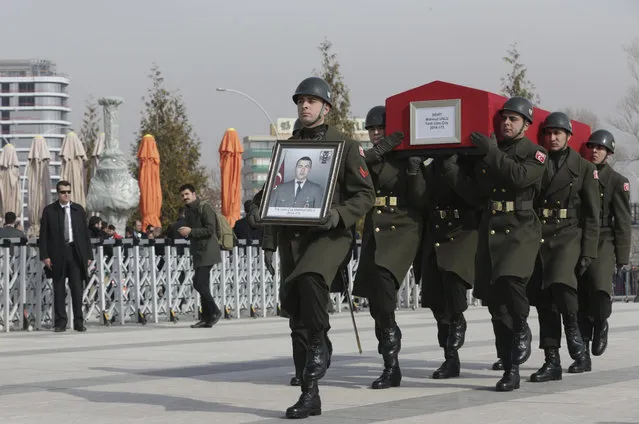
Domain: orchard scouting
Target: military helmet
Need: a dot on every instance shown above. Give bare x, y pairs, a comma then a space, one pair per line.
297, 125
558, 120
313, 86
376, 117
602, 138
520, 105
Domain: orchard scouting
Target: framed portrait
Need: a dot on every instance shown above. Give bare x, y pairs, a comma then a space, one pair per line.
301, 182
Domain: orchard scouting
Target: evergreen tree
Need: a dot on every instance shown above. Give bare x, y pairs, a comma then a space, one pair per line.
165, 117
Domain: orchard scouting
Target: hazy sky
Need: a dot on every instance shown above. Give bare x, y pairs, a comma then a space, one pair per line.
573, 50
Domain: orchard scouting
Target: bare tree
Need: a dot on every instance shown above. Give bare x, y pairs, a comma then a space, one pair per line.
627, 119
213, 192
340, 115
584, 115
515, 82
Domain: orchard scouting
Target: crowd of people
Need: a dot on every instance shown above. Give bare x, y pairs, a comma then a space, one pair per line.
519, 222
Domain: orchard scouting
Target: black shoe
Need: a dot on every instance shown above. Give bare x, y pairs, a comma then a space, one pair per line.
450, 368
309, 403
202, 324
215, 318
509, 381
296, 381
600, 338
80, 328
583, 363
60, 329
551, 369
456, 334
498, 366
391, 377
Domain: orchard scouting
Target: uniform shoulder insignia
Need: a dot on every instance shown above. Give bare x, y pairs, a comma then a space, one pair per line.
361, 151
540, 156
626, 186
595, 174
363, 172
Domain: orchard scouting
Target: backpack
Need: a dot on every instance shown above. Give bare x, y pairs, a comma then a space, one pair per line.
224, 233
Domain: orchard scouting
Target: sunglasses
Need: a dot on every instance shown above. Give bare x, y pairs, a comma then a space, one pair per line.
65, 192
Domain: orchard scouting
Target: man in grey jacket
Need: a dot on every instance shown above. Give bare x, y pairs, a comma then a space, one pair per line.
201, 230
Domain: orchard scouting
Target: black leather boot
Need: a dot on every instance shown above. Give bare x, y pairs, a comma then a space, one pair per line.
456, 333
575, 342
498, 366
308, 404
523, 341
378, 335
299, 359
551, 369
510, 380
316, 357
583, 363
391, 345
450, 368
600, 338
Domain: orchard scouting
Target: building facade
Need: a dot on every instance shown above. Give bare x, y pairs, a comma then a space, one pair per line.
258, 150
34, 100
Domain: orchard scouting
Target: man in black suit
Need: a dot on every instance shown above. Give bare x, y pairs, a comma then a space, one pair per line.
300, 192
65, 249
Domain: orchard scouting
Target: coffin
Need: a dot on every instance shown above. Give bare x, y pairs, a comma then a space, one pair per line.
438, 118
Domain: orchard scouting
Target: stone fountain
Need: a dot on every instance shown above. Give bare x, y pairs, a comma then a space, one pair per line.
113, 191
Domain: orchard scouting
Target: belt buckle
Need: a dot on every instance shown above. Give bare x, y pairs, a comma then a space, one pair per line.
497, 206
392, 201
380, 201
510, 206
456, 213
442, 214
547, 213
563, 213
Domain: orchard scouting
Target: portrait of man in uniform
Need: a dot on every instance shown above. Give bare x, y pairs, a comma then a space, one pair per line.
301, 182
299, 192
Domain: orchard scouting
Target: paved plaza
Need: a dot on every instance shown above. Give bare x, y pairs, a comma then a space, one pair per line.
238, 372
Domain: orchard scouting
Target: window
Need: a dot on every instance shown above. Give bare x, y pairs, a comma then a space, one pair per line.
6, 88
6, 101
5, 115
261, 161
49, 101
26, 101
6, 129
26, 87
47, 87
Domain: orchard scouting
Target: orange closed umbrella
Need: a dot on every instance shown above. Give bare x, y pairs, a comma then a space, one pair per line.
149, 181
230, 171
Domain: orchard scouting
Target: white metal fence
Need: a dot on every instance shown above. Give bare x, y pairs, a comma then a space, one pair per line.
148, 281
151, 281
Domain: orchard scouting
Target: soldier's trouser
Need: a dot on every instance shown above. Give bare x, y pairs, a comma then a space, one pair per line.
382, 299
450, 303
307, 302
593, 307
509, 308
555, 301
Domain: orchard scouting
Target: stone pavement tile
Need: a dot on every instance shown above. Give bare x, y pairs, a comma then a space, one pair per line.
238, 372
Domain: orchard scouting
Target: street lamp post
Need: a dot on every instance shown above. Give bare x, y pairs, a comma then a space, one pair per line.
230, 90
